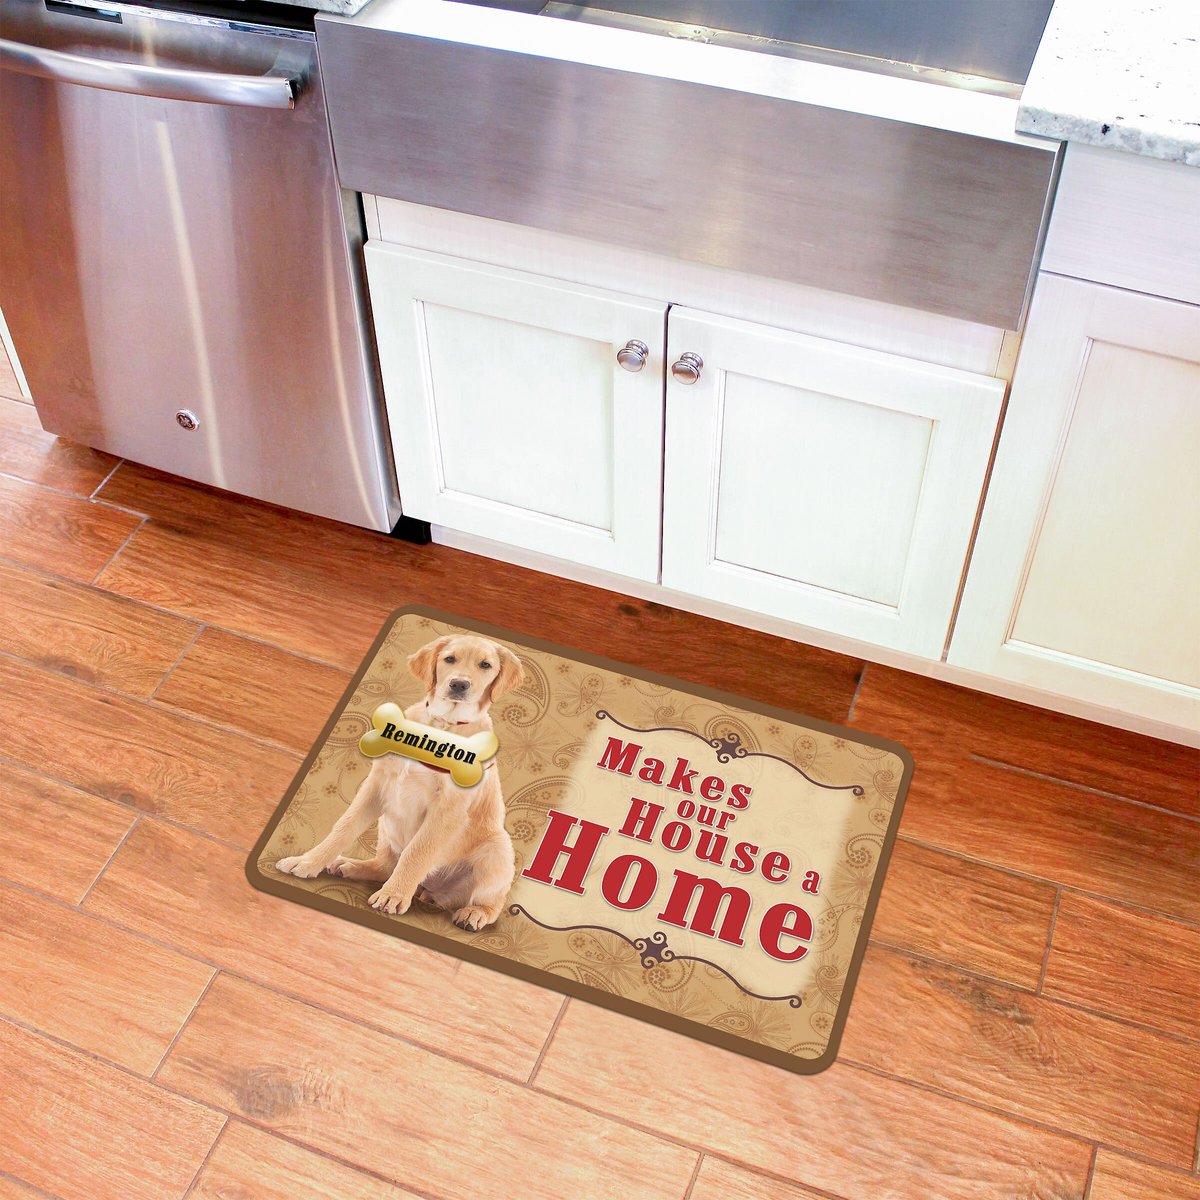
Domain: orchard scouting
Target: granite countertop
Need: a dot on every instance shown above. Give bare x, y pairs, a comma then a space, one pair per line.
1119, 73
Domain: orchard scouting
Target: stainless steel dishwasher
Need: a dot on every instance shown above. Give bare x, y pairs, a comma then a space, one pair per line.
179, 266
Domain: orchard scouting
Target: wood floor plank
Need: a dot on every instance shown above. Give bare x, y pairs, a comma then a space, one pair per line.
30, 453
80, 980
943, 725
723, 1181
249, 1164
152, 759
1126, 963
405, 1113
845, 1131
1062, 834
88, 634
1120, 1178
11, 1189
950, 909
67, 535
1129, 1088
83, 1130
324, 589
189, 892
84, 831
227, 519
240, 588
221, 679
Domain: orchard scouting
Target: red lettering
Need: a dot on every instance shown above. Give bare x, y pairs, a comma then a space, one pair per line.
707, 815
554, 843
739, 795
652, 774
712, 787
776, 924
686, 809
711, 846
681, 780
617, 873
619, 756
711, 896
641, 819
744, 854
676, 836
776, 866
724, 817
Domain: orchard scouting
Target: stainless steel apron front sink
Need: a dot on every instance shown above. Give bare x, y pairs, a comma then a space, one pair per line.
985, 45
844, 147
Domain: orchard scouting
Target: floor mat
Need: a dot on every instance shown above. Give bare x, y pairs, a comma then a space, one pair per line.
684, 856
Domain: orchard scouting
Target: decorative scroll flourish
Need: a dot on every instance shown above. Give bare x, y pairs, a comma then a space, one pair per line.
730, 747
652, 950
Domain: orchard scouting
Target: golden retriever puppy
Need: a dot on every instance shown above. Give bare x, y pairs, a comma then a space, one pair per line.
443, 844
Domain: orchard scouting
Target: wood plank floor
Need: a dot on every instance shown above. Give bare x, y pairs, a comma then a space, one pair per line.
1026, 1026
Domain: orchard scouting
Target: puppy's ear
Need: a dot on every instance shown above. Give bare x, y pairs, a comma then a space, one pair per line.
511, 675
423, 664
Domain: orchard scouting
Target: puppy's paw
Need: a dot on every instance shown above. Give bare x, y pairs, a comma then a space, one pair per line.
348, 868
390, 902
300, 866
473, 917
425, 899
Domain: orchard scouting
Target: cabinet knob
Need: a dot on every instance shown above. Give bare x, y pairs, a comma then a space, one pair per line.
186, 419
686, 368
632, 356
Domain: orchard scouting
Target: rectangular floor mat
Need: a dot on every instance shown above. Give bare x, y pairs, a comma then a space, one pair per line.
691, 858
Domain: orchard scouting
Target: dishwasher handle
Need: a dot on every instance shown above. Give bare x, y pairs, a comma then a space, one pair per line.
273, 90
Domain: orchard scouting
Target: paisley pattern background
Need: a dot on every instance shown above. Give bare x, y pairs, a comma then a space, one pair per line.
543, 729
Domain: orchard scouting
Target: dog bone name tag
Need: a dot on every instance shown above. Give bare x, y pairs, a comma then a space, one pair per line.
464, 757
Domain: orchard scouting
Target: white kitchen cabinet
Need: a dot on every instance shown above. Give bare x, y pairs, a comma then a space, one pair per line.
828, 485
510, 417
823, 476
1085, 578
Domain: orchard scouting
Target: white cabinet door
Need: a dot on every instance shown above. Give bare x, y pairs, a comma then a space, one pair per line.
510, 417
1085, 578
821, 483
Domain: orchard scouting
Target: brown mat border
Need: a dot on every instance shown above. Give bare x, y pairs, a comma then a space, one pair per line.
279, 886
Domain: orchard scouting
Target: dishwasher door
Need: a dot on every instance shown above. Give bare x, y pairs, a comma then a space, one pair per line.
179, 267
